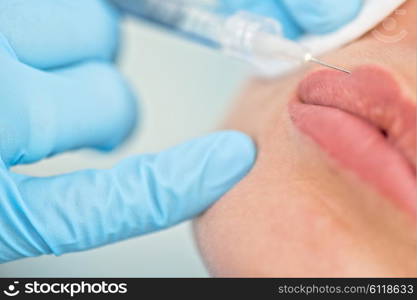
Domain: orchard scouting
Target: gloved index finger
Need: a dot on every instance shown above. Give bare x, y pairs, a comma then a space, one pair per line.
87, 209
50, 33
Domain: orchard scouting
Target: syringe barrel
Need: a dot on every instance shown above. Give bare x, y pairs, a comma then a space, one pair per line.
249, 37
165, 12
241, 31
189, 17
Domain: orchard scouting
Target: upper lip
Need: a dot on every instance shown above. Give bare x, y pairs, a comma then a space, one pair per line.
372, 94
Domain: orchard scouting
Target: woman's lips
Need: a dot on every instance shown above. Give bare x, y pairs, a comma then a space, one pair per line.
365, 122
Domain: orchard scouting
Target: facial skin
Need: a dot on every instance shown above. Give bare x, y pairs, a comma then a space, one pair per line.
300, 212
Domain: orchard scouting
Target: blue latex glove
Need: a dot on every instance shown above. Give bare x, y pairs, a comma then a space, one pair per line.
59, 91
300, 16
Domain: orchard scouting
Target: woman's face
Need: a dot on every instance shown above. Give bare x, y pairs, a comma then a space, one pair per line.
333, 189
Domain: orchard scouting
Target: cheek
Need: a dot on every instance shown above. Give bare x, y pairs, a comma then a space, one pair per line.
255, 232
295, 215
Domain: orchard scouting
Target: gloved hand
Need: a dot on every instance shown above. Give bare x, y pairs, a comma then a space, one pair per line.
59, 91
298, 17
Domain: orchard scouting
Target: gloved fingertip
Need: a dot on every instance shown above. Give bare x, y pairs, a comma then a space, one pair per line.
131, 116
199, 172
232, 156
104, 109
238, 148
323, 16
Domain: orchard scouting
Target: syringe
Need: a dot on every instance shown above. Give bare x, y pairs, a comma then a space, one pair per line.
253, 38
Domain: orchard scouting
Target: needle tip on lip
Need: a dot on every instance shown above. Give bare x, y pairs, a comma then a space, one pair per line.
317, 61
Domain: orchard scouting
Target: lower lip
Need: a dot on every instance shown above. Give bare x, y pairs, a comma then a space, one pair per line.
359, 146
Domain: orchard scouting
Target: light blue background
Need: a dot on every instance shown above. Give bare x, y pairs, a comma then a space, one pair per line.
185, 92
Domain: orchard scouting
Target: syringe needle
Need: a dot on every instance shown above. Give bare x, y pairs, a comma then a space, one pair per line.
315, 60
